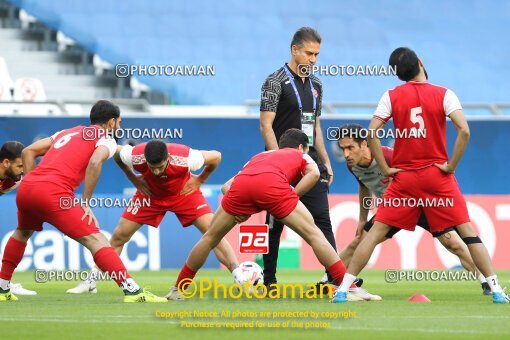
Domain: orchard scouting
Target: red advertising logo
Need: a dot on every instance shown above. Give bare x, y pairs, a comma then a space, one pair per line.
254, 239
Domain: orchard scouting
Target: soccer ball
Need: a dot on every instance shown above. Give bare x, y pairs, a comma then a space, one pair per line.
252, 273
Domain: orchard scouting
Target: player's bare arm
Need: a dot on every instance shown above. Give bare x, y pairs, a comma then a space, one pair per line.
306, 183
92, 173
375, 147
136, 179
266, 129
363, 193
321, 149
34, 150
463, 134
211, 161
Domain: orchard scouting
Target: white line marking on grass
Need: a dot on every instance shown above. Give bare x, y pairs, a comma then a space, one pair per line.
440, 317
422, 330
105, 321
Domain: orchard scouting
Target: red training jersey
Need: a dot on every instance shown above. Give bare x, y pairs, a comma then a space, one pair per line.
288, 163
64, 164
7, 185
419, 111
182, 160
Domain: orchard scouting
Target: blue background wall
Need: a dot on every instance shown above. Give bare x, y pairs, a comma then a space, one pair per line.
483, 170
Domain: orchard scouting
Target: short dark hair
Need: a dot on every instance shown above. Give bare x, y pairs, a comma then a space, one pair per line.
155, 152
11, 150
407, 63
305, 34
103, 111
292, 138
352, 130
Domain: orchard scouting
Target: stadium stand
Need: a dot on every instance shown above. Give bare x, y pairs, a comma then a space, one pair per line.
22, 59
246, 42
29, 90
5, 81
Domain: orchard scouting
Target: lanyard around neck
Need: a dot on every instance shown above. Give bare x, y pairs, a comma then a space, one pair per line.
291, 79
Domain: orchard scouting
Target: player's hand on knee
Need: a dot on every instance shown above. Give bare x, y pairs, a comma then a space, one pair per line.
359, 229
88, 213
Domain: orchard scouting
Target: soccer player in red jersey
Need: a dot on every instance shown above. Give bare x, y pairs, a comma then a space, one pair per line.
11, 170
264, 183
166, 182
420, 167
367, 172
46, 194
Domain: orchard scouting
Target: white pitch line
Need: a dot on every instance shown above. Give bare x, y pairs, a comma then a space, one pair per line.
439, 317
419, 330
52, 320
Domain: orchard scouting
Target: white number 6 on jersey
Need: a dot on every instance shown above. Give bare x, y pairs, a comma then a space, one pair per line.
64, 140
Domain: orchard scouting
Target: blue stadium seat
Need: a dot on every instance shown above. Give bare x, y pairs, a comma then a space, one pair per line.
455, 39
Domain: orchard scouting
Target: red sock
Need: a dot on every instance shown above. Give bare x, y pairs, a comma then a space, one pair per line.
337, 271
109, 262
187, 274
13, 254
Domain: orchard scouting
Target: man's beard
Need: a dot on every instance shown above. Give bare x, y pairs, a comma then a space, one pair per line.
426, 74
114, 133
10, 174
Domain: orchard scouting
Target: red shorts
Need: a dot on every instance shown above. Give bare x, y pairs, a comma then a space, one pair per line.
44, 202
429, 190
186, 208
250, 194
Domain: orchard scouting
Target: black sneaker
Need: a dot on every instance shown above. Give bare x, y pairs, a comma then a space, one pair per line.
358, 282
486, 289
271, 286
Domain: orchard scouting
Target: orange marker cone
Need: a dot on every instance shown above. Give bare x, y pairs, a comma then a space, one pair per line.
418, 298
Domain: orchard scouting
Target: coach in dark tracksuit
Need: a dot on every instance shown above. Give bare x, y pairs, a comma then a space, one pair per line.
292, 98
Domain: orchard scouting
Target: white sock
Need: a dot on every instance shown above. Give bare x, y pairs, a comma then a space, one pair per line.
130, 285
324, 278
5, 284
481, 278
494, 284
347, 282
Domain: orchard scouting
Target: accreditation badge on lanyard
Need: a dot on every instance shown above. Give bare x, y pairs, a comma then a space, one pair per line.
307, 118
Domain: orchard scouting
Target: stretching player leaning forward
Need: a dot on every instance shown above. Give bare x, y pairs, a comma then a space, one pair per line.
165, 181
420, 167
365, 169
264, 183
46, 194
11, 170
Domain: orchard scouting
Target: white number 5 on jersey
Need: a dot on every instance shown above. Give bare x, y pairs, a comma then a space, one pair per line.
416, 118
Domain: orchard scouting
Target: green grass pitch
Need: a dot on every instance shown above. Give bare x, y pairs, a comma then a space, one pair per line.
458, 310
